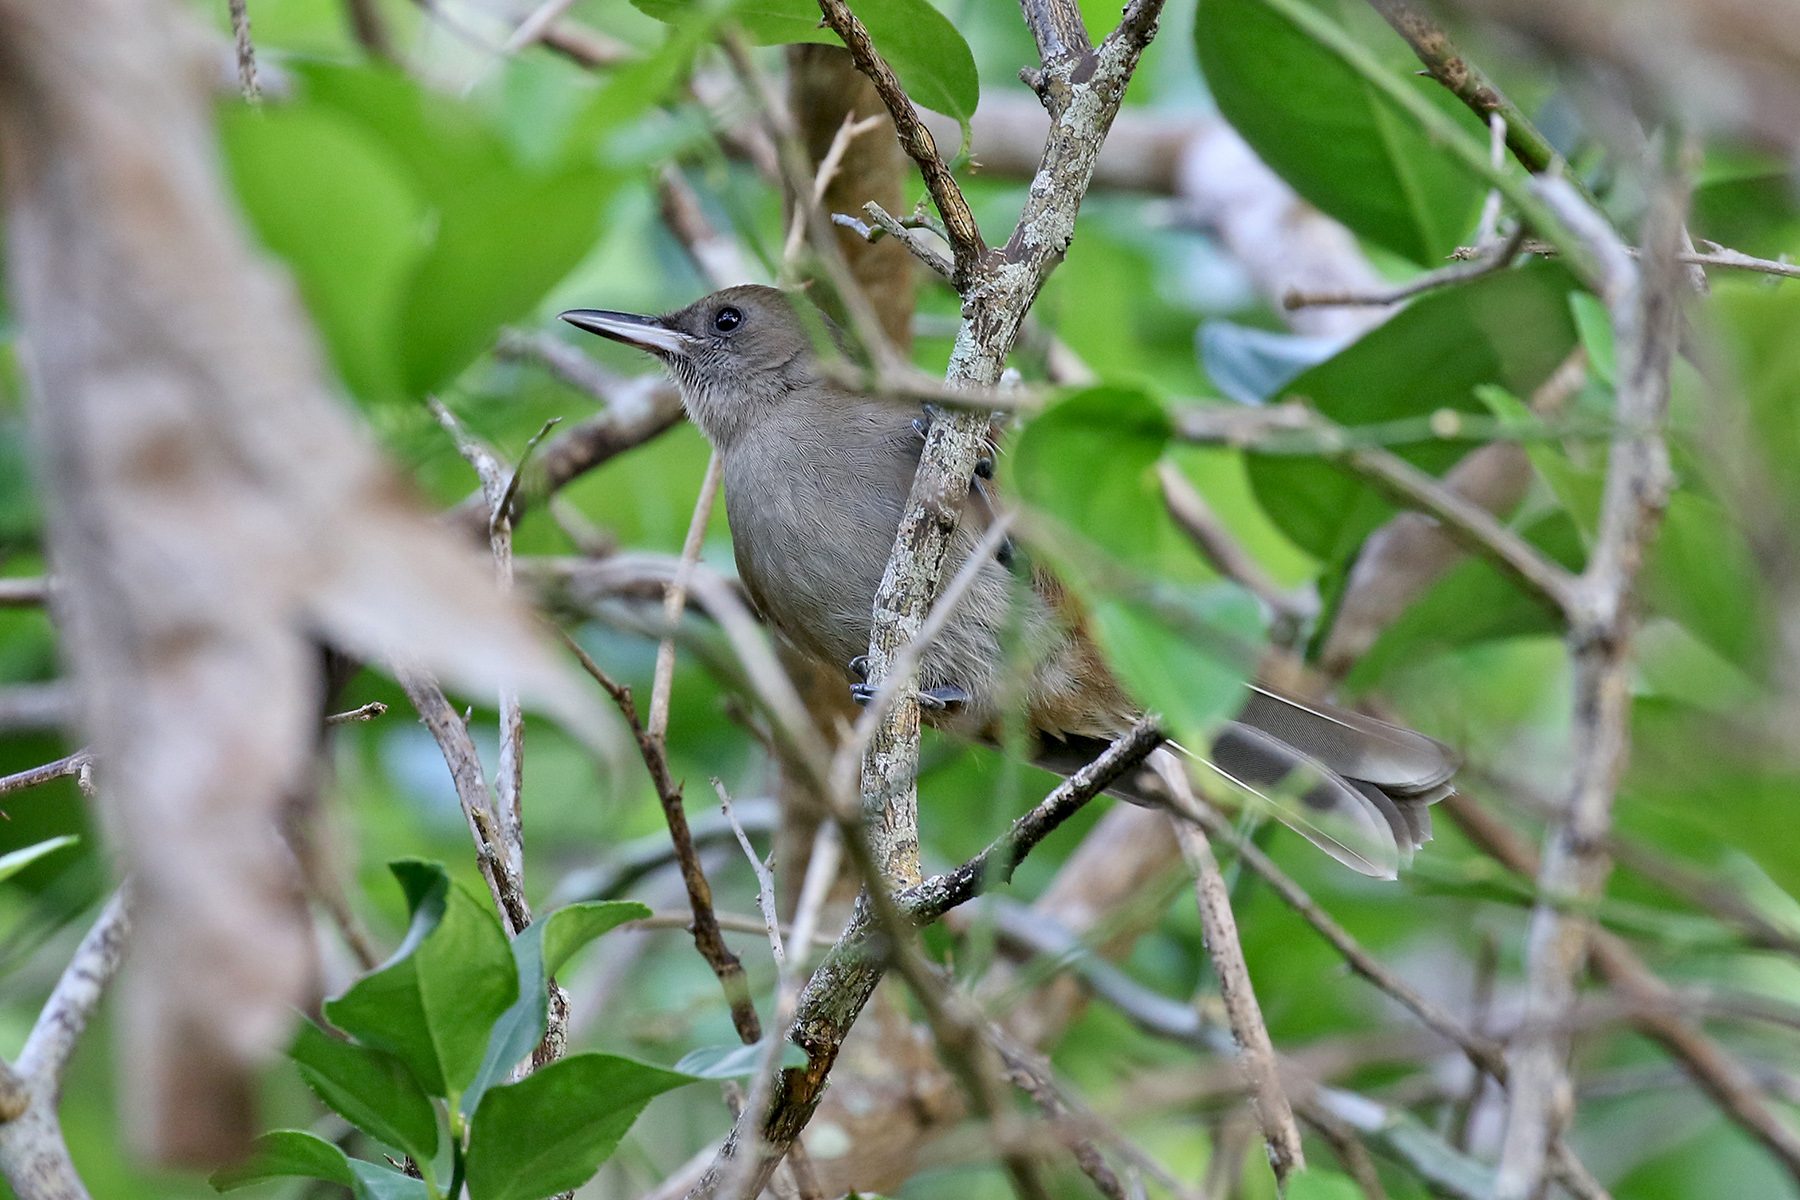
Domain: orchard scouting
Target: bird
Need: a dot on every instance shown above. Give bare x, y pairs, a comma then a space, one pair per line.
816, 477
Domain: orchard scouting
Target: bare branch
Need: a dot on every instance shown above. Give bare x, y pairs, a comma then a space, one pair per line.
1712, 1068
1646, 316
25, 592
663, 681
707, 938
1468, 84
1497, 259
994, 866
367, 712
886, 222
959, 221
246, 51
1218, 926
74, 764
65, 1014
765, 881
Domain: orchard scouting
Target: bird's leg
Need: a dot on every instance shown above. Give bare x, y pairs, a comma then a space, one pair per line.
946, 698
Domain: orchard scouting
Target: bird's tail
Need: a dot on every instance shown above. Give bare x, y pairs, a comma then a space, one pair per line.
1357, 787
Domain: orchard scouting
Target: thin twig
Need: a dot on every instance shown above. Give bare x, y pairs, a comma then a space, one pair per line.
707, 938
806, 206
73, 764
1468, 84
246, 51
1218, 926
367, 712
1491, 261
994, 866
663, 681
765, 882
1486, 1054
887, 223
29, 591
962, 232
458, 748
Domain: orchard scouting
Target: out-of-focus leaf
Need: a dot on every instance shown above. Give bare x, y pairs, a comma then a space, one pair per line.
1474, 602
1326, 131
371, 1089
931, 58
551, 1131
1250, 365
1702, 572
1315, 1183
1183, 653
539, 951
15, 861
1595, 327
735, 1062
433, 1003
329, 199
283, 1153
414, 228
1511, 328
1090, 461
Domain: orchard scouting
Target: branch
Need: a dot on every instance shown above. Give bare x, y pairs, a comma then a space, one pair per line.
1497, 259
458, 748
959, 222
75, 764
1218, 927
1469, 84
707, 938
33, 1155
1657, 1013
994, 866
1646, 317
246, 51
888, 223
25, 592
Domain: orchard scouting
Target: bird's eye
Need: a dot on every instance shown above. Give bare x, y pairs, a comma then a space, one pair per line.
727, 319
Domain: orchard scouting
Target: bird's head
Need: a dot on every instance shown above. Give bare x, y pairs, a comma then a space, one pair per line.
734, 353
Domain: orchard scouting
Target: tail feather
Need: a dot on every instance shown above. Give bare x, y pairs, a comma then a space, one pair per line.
1357, 787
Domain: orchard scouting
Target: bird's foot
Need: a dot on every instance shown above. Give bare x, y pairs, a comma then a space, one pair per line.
947, 698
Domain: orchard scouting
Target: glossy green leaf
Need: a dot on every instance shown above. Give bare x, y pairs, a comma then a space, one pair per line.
371, 1089
1596, 331
1325, 130
735, 1061
285, 1153
1184, 654
1511, 328
931, 58
1315, 1183
551, 1131
332, 201
376, 1182
1090, 462
539, 952
15, 861
434, 1002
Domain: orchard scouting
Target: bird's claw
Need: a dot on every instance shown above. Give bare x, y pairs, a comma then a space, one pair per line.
947, 698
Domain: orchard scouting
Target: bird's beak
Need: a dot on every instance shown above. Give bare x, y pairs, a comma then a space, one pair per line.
646, 333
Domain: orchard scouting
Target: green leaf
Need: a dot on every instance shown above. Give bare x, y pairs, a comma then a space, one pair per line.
1090, 462
14, 862
539, 952
1702, 573
1185, 653
551, 1131
1325, 129
433, 1003
934, 63
736, 1061
369, 1088
1315, 1183
335, 204
376, 1182
1596, 330
1511, 328
283, 1153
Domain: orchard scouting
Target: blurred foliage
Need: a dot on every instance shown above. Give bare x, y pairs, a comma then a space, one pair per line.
422, 212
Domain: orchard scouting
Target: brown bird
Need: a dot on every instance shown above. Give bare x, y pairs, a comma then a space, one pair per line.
815, 480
